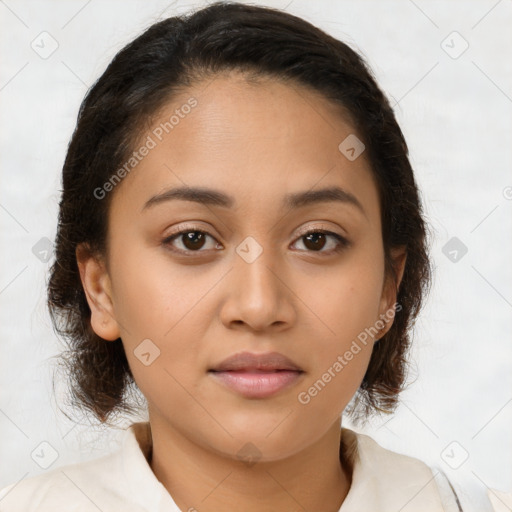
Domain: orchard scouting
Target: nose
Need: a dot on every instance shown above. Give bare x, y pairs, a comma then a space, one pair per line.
258, 294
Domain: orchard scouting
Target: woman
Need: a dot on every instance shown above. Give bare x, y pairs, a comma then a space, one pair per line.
240, 236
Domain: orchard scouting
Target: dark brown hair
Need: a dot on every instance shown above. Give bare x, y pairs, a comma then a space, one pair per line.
167, 58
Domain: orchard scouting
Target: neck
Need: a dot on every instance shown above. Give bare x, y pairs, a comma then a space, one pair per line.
199, 479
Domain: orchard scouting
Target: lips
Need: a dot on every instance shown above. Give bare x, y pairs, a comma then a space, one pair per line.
247, 361
257, 375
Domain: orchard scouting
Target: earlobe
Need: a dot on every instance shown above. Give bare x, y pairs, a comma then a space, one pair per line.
390, 289
97, 288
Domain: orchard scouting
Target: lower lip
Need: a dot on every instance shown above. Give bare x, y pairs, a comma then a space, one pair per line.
257, 384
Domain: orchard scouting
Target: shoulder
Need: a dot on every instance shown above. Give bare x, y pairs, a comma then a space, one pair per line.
74, 487
386, 480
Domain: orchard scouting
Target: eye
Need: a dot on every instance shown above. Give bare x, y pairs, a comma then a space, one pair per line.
316, 240
191, 240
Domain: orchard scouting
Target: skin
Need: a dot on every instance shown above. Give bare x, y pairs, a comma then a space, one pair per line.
255, 142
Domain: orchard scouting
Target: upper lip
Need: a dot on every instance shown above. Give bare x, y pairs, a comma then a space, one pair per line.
269, 361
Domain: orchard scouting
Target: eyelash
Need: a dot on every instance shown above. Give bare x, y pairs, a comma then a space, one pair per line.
343, 243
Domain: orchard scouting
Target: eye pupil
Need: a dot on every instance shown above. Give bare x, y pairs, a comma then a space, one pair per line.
315, 237
193, 240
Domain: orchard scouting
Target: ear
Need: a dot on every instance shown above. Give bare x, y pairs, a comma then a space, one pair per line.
390, 289
97, 288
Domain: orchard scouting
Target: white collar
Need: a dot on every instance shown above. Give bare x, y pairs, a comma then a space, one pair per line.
382, 480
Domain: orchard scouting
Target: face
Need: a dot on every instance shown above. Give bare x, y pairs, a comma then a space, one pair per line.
190, 283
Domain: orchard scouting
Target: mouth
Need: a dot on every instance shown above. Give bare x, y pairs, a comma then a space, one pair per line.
257, 375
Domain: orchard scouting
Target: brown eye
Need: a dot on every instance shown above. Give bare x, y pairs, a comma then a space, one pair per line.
190, 240
193, 240
316, 240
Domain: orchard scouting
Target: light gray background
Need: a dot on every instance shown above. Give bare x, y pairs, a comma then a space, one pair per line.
456, 114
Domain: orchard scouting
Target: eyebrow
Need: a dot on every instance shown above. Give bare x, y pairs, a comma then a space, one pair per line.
214, 197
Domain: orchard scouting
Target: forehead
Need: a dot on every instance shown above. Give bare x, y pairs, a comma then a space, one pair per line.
255, 140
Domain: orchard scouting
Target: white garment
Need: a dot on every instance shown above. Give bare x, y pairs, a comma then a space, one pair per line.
382, 481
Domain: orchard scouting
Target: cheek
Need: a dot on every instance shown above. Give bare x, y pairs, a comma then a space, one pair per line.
159, 313
347, 298
164, 303
153, 295
342, 353
346, 303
